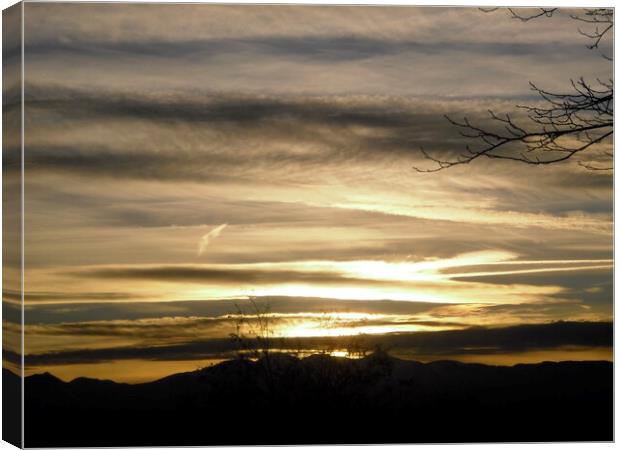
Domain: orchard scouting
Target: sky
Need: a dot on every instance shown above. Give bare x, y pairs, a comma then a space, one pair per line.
187, 165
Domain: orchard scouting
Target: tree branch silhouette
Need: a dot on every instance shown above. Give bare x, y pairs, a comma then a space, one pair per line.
560, 127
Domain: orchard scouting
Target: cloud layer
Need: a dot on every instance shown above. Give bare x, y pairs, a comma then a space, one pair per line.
291, 132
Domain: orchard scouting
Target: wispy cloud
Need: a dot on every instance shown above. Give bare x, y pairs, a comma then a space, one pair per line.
525, 271
207, 238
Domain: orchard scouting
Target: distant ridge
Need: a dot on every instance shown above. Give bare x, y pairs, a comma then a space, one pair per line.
321, 399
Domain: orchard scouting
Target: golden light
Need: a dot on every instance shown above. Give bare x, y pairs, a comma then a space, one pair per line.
340, 324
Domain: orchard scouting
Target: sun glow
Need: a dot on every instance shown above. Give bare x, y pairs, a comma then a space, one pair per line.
444, 291
437, 280
351, 324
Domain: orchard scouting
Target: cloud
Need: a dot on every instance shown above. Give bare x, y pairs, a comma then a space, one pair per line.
32, 297
608, 265
332, 48
364, 280
47, 313
472, 341
409, 51
228, 136
207, 238
146, 23
228, 275
166, 330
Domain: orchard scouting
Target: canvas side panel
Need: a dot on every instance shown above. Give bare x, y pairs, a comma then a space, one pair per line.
12, 178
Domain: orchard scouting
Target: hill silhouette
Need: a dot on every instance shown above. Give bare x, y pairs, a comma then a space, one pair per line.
281, 399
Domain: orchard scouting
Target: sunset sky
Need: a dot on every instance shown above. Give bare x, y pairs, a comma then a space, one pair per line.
182, 159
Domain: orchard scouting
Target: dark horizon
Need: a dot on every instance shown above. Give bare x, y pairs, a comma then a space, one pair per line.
371, 400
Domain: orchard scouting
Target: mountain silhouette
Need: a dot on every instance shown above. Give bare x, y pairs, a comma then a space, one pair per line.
281, 399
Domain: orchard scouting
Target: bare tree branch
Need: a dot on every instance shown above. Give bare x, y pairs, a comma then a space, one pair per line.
599, 21
561, 126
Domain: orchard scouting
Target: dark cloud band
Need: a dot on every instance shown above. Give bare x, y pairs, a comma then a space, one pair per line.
477, 340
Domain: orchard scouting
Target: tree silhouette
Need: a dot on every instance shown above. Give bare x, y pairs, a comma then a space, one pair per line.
562, 126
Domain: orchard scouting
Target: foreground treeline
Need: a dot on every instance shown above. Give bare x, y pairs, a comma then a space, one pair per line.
280, 399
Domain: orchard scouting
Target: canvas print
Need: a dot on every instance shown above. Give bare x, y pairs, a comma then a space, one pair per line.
297, 224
